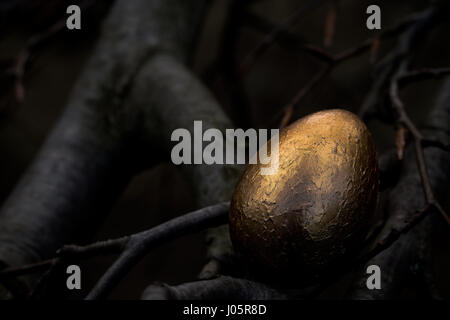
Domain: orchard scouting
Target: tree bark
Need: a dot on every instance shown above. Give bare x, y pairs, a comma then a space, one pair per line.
405, 256
132, 93
222, 288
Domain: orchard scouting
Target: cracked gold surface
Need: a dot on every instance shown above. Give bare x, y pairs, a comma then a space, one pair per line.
316, 208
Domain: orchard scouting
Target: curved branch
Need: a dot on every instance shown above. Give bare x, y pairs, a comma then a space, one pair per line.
135, 245
222, 288
138, 245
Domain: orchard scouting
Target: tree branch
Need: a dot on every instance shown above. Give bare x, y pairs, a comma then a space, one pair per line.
386, 68
222, 288
404, 199
422, 74
139, 245
271, 37
332, 61
132, 94
135, 245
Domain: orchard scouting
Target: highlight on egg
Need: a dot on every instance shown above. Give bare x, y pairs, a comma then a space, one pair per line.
316, 209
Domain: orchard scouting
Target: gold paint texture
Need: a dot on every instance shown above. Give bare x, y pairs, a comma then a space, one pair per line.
315, 210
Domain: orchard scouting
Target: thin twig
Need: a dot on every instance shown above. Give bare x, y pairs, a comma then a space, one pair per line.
270, 38
406, 123
433, 142
285, 39
291, 40
138, 245
27, 269
132, 247
423, 74
399, 61
21, 61
395, 234
260, 24
379, 247
281, 35
212, 287
44, 279
411, 28
333, 61
330, 24
289, 109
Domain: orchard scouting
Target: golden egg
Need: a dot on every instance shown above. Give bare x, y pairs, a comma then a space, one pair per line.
315, 210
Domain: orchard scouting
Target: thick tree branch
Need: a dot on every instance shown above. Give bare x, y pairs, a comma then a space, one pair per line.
222, 288
133, 93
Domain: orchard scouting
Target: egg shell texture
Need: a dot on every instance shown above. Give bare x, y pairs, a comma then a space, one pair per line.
317, 206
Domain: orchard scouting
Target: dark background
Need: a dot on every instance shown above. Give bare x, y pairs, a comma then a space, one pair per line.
159, 194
